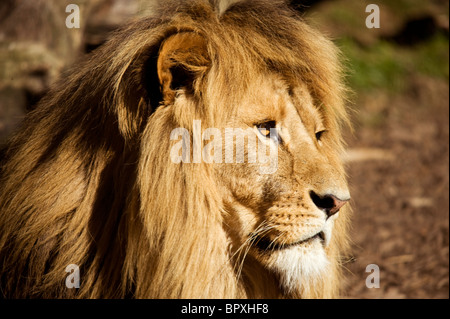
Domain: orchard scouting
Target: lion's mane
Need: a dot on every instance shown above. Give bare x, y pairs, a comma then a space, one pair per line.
88, 178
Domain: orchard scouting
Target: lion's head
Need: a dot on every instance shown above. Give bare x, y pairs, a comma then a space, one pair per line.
99, 176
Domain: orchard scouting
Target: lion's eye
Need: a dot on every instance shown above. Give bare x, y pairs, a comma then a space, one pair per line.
269, 130
319, 134
264, 128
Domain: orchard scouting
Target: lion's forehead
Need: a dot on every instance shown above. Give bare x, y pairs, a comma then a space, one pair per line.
272, 97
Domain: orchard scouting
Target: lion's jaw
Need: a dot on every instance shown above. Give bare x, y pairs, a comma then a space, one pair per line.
298, 265
301, 265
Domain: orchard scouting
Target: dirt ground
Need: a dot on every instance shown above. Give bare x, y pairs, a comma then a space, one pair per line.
398, 168
399, 179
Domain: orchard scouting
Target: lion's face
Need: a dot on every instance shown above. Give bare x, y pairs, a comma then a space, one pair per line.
280, 209
284, 218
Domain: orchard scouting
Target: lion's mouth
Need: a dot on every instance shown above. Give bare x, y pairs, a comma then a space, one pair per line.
264, 243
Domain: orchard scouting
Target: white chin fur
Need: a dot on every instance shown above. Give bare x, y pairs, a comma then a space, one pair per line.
299, 266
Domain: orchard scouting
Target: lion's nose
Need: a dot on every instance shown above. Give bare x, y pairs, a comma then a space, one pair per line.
330, 204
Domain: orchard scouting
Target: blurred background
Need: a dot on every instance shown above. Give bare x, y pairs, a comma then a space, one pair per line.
398, 157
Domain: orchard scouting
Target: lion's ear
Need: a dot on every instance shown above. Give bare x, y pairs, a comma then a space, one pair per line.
183, 58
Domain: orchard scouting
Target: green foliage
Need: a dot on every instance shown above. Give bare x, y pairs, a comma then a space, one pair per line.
432, 58
386, 65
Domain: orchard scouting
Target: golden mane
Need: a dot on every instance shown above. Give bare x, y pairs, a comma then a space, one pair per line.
88, 179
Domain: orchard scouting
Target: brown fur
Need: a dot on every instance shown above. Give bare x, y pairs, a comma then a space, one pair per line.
89, 181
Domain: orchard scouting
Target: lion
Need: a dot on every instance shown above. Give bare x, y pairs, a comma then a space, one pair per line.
89, 181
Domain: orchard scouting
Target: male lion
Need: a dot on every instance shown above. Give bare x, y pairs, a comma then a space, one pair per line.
89, 180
